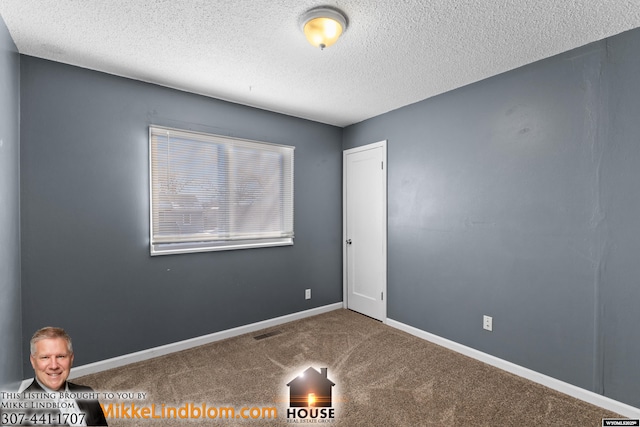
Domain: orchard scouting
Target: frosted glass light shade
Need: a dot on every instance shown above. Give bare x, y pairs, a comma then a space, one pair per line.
323, 26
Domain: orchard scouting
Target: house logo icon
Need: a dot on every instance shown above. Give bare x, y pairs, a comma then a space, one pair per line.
311, 390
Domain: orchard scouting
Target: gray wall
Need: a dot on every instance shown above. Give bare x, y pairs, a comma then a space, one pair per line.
518, 197
620, 269
85, 215
10, 313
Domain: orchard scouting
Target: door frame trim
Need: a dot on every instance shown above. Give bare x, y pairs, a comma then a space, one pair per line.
380, 144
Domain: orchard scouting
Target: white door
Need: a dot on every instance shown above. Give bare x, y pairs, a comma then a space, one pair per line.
365, 229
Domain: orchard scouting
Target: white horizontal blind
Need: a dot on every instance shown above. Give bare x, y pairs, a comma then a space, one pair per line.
211, 192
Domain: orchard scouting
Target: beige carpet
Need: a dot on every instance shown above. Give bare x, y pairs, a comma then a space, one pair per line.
382, 376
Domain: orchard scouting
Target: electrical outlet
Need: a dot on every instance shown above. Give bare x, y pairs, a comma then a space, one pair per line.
307, 294
487, 323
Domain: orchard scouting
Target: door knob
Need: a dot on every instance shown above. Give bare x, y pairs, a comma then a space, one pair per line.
348, 241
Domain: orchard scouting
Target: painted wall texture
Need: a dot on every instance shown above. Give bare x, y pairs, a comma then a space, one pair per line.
10, 313
517, 197
85, 214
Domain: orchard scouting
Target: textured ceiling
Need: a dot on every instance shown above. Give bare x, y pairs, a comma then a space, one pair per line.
253, 52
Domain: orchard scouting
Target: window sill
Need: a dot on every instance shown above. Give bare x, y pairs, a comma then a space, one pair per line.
194, 247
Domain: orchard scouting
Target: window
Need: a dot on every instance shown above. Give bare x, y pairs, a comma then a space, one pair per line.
211, 192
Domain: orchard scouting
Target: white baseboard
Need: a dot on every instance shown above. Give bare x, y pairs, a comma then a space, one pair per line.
555, 384
139, 356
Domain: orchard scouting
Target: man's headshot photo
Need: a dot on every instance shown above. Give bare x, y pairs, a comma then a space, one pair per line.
52, 358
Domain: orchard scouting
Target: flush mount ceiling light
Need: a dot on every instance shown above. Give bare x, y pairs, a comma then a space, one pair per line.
323, 26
